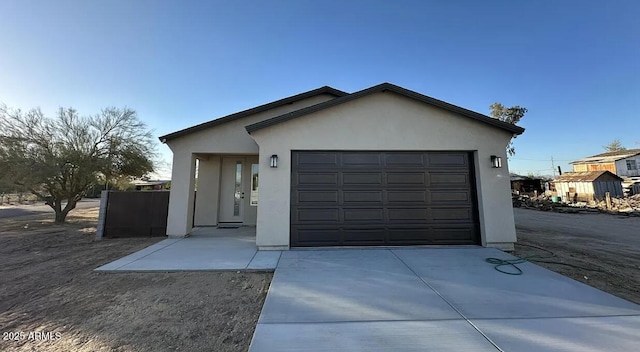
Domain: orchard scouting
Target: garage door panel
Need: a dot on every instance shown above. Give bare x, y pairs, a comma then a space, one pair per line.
368, 215
376, 236
406, 178
449, 196
404, 197
361, 160
449, 160
356, 197
316, 179
383, 198
316, 237
361, 178
448, 214
313, 215
328, 197
459, 235
409, 214
419, 235
448, 179
315, 159
400, 159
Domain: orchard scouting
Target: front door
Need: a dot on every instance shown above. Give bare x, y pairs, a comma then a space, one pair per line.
231, 190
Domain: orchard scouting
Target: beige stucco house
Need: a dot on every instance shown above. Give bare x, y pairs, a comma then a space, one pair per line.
382, 166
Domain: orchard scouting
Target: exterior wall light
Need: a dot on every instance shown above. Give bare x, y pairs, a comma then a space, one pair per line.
496, 161
274, 161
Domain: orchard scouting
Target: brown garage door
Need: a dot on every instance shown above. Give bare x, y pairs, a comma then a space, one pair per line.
344, 198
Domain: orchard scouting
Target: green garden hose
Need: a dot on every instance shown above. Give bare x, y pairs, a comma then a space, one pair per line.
499, 263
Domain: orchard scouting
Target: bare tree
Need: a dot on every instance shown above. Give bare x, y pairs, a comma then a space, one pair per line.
59, 159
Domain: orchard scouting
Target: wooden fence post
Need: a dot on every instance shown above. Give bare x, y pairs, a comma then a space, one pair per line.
607, 196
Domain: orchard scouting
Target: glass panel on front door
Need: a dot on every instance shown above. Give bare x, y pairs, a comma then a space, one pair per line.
238, 190
254, 185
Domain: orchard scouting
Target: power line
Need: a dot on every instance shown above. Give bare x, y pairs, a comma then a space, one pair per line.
539, 159
520, 170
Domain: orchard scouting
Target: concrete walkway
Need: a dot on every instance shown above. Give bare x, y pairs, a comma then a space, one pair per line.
207, 248
434, 299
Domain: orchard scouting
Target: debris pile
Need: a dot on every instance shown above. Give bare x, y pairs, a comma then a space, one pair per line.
541, 202
625, 206
629, 204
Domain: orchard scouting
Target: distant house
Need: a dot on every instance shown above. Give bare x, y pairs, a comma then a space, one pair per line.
587, 186
149, 185
525, 184
624, 163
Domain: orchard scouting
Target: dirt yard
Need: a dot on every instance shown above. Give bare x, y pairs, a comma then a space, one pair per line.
51, 300
600, 250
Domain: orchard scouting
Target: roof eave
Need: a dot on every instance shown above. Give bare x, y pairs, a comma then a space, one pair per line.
514, 129
633, 152
585, 176
322, 90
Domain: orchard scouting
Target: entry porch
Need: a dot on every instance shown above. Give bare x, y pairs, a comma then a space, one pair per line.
212, 190
207, 248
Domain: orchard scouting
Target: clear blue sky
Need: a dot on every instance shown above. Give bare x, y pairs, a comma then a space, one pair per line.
574, 64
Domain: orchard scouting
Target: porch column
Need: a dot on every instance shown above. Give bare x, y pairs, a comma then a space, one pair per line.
180, 219
208, 191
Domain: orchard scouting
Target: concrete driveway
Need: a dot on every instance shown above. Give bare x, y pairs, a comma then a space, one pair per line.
434, 299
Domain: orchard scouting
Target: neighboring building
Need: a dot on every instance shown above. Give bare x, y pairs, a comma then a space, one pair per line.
588, 186
631, 185
624, 163
382, 166
156, 185
525, 184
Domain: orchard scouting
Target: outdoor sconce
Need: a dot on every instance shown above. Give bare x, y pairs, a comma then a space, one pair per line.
274, 160
496, 161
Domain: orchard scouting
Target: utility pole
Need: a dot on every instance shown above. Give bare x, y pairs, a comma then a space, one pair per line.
553, 167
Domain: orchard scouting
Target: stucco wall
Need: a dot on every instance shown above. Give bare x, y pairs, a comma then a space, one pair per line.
231, 137
228, 138
180, 218
206, 211
383, 121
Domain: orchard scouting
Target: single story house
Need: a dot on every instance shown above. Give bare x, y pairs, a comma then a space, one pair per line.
631, 185
156, 185
624, 163
526, 185
588, 186
381, 166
